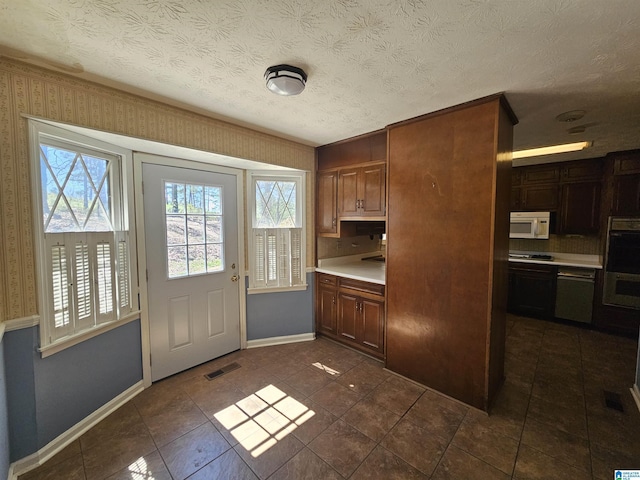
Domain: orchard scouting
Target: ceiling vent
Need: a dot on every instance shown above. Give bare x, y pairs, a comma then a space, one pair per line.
571, 116
285, 79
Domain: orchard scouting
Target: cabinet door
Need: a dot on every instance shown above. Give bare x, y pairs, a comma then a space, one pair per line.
371, 191
516, 193
347, 316
626, 195
540, 197
348, 192
532, 292
372, 324
580, 209
326, 314
326, 203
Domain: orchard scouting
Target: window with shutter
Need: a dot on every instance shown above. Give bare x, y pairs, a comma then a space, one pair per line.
277, 212
84, 252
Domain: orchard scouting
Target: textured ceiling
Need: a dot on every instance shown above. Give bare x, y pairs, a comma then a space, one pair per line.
370, 63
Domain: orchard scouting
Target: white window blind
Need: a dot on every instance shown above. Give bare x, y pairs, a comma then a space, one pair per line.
277, 231
83, 282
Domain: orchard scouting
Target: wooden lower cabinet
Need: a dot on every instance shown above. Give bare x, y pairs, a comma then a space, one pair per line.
351, 312
327, 306
532, 290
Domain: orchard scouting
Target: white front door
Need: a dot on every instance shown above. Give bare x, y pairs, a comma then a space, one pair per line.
191, 241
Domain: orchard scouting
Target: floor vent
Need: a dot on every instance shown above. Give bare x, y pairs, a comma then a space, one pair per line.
226, 369
613, 400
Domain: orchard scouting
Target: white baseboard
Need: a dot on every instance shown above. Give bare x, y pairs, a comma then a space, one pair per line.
26, 464
267, 342
635, 393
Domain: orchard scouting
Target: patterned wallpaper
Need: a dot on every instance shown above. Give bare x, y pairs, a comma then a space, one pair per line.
25, 89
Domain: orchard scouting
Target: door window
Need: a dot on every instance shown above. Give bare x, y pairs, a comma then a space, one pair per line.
193, 229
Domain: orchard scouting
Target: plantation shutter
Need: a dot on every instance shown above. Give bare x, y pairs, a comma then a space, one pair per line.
83, 275
56, 256
82, 284
278, 257
104, 277
123, 262
297, 275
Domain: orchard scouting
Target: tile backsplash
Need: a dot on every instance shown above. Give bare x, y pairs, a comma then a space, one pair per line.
559, 244
340, 247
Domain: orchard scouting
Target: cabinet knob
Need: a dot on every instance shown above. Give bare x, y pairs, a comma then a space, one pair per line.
333, 222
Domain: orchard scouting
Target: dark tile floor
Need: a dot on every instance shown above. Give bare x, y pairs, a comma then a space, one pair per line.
318, 410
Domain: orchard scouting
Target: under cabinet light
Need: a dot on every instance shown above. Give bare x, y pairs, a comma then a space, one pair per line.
564, 148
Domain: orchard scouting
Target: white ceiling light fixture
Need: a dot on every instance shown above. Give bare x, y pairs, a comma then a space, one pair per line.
563, 148
285, 79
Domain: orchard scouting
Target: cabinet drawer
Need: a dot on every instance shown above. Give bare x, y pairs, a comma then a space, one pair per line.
325, 279
365, 287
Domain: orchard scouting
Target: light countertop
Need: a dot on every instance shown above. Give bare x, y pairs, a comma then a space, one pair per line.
562, 259
354, 267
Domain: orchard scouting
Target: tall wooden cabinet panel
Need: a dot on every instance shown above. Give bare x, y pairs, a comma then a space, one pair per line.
327, 203
449, 180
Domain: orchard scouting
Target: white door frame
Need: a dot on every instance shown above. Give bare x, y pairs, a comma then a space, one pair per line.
138, 159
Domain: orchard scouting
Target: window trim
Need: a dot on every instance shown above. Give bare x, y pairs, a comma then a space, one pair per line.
126, 218
299, 176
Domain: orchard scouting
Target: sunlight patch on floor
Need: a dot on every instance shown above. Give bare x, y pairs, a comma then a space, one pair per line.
326, 369
261, 419
140, 470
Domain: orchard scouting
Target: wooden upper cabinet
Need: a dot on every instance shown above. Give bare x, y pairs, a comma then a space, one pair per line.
580, 209
626, 163
582, 170
358, 168
540, 174
373, 190
626, 183
361, 192
539, 197
327, 203
626, 195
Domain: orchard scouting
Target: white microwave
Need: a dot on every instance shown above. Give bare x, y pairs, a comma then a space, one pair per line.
529, 225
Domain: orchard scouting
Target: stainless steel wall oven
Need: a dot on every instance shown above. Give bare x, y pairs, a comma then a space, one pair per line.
622, 263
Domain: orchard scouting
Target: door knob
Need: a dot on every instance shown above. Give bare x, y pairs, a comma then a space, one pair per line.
235, 278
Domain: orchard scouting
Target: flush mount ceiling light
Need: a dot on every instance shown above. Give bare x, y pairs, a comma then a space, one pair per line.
563, 148
285, 79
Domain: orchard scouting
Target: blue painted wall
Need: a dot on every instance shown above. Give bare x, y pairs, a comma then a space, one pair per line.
21, 391
282, 313
4, 425
47, 396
